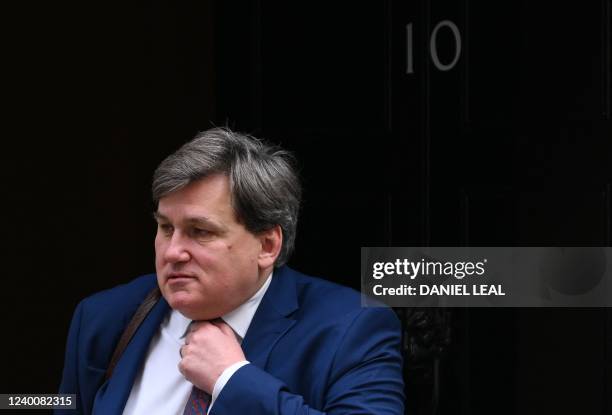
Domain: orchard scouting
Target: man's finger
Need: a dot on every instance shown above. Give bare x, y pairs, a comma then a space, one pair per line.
225, 328
196, 325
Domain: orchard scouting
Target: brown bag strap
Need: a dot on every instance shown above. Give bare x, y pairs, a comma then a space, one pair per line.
139, 316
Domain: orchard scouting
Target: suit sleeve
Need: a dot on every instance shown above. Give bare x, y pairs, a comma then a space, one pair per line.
70, 380
365, 378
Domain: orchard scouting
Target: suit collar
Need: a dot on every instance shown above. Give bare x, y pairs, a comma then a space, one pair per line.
273, 317
240, 319
282, 293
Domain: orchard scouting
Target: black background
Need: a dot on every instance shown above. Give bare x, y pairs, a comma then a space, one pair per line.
509, 147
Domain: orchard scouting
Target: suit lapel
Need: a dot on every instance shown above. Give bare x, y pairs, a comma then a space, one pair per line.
272, 319
113, 394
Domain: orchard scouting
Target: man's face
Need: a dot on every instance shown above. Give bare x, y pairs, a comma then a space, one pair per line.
207, 262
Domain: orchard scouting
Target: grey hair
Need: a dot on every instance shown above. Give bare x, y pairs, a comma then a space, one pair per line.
264, 185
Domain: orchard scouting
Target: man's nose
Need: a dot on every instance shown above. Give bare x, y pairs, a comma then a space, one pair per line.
176, 250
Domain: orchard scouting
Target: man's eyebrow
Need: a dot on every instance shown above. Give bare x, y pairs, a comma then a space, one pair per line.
159, 217
203, 220
194, 220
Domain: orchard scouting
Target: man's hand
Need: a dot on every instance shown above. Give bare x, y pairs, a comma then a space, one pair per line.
210, 348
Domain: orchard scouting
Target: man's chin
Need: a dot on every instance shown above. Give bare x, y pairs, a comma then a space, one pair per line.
191, 309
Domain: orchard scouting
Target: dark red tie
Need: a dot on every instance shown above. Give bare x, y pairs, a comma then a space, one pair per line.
197, 403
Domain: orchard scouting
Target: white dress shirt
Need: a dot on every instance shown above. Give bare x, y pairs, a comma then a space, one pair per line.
159, 387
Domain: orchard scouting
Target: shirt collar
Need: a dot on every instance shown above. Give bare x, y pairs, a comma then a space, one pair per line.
238, 319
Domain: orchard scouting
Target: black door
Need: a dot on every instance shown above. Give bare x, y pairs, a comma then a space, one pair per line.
448, 124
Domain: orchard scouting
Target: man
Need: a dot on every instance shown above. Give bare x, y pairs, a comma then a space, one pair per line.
236, 331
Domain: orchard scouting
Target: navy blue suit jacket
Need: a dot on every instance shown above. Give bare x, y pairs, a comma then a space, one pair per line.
313, 349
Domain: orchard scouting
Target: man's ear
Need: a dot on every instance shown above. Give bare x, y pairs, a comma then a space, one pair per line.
271, 243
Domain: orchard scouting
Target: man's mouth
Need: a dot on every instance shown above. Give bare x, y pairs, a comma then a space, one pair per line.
178, 277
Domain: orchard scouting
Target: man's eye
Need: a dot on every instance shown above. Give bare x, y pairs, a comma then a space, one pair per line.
166, 228
201, 233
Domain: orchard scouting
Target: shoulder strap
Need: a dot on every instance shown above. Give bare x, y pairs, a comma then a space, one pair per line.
139, 316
